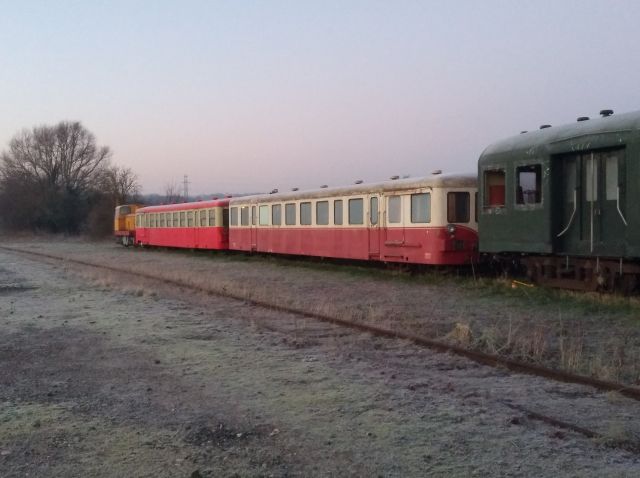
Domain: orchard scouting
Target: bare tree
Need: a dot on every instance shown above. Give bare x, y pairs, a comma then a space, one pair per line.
172, 192
50, 177
121, 184
64, 156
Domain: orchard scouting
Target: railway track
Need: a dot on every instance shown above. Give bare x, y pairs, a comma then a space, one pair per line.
479, 357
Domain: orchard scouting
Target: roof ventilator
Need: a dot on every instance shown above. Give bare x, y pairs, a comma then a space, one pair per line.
436, 171
583, 118
545, 126
394, 177
606, 113
358, 181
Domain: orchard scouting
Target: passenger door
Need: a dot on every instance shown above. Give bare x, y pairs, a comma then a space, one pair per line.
254, 228
374, 226
593, 204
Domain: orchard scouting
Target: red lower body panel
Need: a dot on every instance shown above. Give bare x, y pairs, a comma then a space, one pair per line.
435, 246
185, 237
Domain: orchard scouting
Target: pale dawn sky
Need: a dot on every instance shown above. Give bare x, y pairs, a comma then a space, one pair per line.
251, 95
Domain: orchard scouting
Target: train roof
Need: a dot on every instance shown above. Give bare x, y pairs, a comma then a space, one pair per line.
186, 206
626, 122
432, 181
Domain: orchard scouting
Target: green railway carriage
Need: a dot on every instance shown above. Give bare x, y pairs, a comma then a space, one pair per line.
565, 201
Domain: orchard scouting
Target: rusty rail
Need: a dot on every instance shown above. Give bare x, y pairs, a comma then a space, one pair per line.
476, 356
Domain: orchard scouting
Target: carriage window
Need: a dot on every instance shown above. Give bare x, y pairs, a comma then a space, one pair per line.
276, 214
203, 218
458, 207
356, 211
190, 219
212, 217
183, 219
253, 216
264, 215
494, 188
146, 220
337, 212
373, 211
322, 213
244, 215
421, 207
169, 216
611, 177
395, 209
225, 217
162, 219
175, 219
153, 220
528, 184
290, 214
305, 213
234, 216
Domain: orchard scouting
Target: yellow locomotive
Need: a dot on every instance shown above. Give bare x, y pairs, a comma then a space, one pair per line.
124, 224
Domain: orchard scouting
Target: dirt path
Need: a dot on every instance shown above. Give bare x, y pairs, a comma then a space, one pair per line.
108, 376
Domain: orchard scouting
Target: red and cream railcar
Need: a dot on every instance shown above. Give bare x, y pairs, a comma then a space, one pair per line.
193, 225
429, 220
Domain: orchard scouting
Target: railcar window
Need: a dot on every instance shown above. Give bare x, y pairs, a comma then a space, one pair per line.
234, 216
253, 216
494, 182
183, 217
356, 211
290, 214
124, 210
322, 213
337, 212
153, 220
244, 215
162, 219
276, 215
175, 220
305, 213
189, 218
264, 215
529, 184
146, 220
168, 222
212, 216
225, 217
373, 211
421, 207
458, 206
394, 212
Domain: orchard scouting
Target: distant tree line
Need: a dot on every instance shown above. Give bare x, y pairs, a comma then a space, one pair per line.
57, 179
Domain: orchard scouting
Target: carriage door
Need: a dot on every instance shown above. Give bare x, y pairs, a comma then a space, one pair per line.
254, 228
611, 211
593, 213
374, 227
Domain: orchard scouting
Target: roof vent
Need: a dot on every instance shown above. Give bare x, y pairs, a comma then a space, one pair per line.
358, 181
606, 113
273, 191
294, 189
583, 118
436, 171
324, 186
523, 131
545, 126
393, 178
